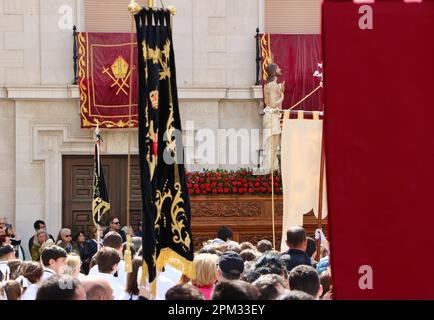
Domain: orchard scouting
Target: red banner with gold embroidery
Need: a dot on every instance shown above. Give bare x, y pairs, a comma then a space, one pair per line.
104, 72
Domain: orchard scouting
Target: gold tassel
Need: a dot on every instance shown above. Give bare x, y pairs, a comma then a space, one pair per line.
127, 256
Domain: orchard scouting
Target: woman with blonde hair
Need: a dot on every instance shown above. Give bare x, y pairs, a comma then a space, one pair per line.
73, 266
39, 239
206, 273
64, 240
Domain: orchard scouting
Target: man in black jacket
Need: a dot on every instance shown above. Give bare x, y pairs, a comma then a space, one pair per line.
296, 240
39, 224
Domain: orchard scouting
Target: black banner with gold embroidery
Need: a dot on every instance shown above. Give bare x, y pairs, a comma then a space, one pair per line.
104, 71
166, 221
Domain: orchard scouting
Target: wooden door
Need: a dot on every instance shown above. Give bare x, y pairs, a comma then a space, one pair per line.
78, 185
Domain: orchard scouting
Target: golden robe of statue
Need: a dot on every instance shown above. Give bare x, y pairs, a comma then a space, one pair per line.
273, 98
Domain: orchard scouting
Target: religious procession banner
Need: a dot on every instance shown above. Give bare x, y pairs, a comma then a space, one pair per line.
104, 74
301, 161
166, 220
101, 201
379, 129
298, 57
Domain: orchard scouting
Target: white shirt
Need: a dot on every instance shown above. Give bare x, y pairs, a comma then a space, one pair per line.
48, 273
165, 280
4, 269
122, 275
118, 290
128, 296
31, 291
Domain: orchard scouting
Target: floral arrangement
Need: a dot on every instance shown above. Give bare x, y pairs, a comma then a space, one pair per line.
241, 181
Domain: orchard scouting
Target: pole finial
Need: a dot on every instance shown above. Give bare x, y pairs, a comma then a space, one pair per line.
134, 7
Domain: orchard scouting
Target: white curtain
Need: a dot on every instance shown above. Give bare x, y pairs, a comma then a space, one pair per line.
300, 162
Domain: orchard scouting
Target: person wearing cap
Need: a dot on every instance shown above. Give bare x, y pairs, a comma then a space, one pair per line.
231, 266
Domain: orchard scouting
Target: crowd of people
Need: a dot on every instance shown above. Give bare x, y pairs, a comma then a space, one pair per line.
75, 268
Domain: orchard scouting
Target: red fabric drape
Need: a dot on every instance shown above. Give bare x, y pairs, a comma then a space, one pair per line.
298, 56
379, 123
104, 70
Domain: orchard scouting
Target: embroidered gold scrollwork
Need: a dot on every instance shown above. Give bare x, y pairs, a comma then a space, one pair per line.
177, 212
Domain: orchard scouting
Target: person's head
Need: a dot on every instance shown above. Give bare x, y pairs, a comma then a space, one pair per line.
247, 245
310, 247
12, 289
40, 237
93, 233
296, 238
54, 257
10, 231
264, 246
14, 265
31, 270
235, 290
132, 249
115, 224
73, 264
273, 71
296, 295
224, 233
234, 246
184, 292
206, 269
231, 266
248, 255
7, 253
61, 287
65, 235
113, 240
5, 240
97, 288
78, 237
107, 260
324, 252
132, 283
136, 242
270, 286
3, 222
39, 224
270, 262
209, 249
325, 280
305, 278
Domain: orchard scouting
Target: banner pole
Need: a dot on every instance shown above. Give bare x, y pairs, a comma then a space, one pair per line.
321, 191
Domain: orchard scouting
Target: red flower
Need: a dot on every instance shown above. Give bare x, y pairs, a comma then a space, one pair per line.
195, 174
201, 179
220, 190
214, 190
207, 185
234, 190
190, 191
233, 178
190, 185
277, 189
276, 184
214, 184
257, 184
263, 189
197, 191
226, 190
218, 174
269, 190
226, 179
277, 179
203, 192
243, 173
246, 185
207, 174
202, 186
264, 184
251, 190
258, 189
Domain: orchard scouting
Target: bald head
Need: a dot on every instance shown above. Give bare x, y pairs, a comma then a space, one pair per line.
97, 288
296, 238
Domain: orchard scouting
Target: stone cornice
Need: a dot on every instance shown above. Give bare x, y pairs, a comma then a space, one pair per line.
71, 92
